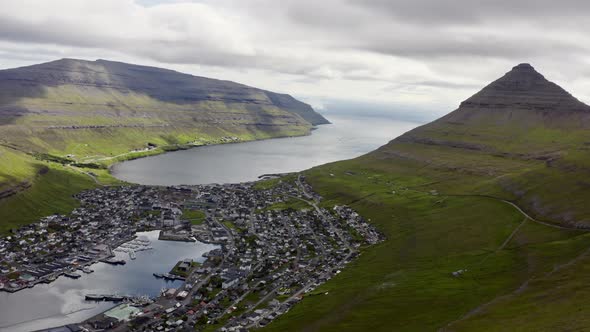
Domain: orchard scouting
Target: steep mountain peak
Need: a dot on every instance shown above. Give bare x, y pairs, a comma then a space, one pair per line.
522, 77
524, 87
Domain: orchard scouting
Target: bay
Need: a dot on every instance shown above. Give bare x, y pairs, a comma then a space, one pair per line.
62, 302
347, 137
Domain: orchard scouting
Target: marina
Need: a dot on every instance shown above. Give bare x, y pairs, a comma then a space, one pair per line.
63, 301
133, 300
58, 300
168, 276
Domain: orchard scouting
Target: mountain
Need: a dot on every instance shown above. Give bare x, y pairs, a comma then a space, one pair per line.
521, 126
115, 80
56, 99
486, 216
93, 113
517, 104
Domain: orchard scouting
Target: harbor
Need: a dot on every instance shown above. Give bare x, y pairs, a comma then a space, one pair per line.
134, 300
63, 301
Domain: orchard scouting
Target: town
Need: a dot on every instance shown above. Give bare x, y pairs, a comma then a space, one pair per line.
277, 243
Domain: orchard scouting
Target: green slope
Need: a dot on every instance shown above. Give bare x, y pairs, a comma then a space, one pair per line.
83, 108
50, 193
100, 112
440, 194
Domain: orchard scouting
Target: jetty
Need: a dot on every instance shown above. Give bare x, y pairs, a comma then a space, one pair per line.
169, 276
133, 300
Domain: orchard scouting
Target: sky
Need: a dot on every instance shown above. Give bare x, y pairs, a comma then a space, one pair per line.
417, 58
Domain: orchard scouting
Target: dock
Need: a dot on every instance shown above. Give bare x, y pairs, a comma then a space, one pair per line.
134, 300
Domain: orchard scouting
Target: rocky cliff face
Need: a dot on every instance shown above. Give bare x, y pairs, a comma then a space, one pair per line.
524, 88
161, 85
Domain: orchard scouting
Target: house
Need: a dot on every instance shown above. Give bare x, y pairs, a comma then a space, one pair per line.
185, 265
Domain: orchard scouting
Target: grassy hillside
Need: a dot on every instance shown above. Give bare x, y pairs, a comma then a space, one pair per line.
50, 192
91, 114
447, 196
405, 284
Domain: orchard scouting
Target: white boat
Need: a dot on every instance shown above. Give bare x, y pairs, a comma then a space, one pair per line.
132, 254
72, 275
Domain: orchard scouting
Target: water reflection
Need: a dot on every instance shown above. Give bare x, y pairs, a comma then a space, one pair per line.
62, 302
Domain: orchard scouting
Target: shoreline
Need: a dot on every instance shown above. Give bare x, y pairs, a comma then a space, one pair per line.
133, 155
50, 278
181, 147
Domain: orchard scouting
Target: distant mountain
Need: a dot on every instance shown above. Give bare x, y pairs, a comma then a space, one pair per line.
44, 107
119, 79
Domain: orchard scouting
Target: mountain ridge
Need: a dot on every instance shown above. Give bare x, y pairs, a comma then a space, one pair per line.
486, 218
162, 84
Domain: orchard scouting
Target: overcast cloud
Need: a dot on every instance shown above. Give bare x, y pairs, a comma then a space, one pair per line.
425, 55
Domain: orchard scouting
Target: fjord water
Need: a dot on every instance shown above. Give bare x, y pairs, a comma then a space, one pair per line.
347, 137
62, 302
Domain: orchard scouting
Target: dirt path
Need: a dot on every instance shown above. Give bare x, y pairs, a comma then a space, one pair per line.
525, 284
517, 291
110, 158
505, 243
92, 176
535, 220
518, 208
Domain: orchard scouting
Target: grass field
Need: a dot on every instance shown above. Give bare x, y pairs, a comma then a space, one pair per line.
196, 217
406, 283
50, 193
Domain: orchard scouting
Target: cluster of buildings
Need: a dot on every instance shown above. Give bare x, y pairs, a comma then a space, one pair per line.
277, 244
58, 244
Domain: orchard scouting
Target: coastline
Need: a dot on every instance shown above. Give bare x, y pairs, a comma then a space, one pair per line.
182, 147
53, 277
84, 178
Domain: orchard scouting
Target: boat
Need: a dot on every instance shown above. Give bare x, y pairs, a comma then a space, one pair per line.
158, 275
87, 270
132, 254
114, 297
72, 275
94, 297
113, 261
169, 276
